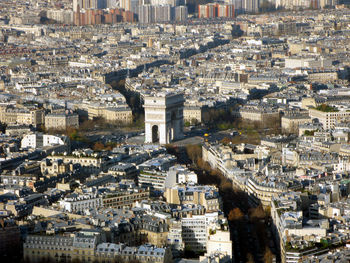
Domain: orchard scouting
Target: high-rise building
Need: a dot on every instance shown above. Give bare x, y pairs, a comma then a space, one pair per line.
89, 4
145, 13
237, 4
216, 10
226, 11
130, 5
161, 13
250, 6
181, 13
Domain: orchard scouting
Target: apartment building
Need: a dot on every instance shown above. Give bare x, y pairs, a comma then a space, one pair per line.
77, 203
72, 247
195, 230
262, 192
213, 10
39, 140
11, 115
142, 254
119, 114
124, 170
57, 166
154, 179
17, 129
146, 228
193, 114
124, 199
61, 121
175, 237
207, 196
329, 118
258, 113
219, 242
114, 114
63, 248
323, 76
290, 123
89, 164
287, 216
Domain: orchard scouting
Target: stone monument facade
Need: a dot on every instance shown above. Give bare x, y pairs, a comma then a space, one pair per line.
163, 118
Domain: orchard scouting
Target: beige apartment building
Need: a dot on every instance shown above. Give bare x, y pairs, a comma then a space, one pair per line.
323, 77
61, 121
197, 196
261, 192
329, 119
88, 164
122, 114
71, 247
258, 114
290, 123
307, 103
114, 114
25, 116
124, 199
94, 110
56, 167
193, 114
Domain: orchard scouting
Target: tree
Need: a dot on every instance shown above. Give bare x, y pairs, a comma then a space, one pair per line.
257, 212
98, 146
235, 214
72, 133
225, 185
194, 152
226, 140
194, 121
309, 133
114, 83
268, 256
250, 258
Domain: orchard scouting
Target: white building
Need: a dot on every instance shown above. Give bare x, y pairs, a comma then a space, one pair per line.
79, 203
39, 140
330, 118
219, 242
153, 179
195, 230
309, 62
175, 237
179, 174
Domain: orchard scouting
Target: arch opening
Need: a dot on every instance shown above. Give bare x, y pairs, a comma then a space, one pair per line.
155, 134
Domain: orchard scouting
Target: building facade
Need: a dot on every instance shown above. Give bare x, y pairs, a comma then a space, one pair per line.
329, 119
61, 121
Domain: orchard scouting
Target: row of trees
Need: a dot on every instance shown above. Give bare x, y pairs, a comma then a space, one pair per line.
235, 205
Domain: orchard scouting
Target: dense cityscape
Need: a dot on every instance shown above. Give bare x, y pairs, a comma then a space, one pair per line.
175, 131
